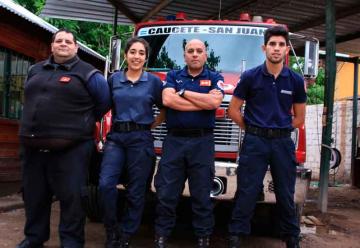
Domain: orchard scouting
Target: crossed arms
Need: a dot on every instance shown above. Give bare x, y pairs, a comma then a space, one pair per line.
192, 101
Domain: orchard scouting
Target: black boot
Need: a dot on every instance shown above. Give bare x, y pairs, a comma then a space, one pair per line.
235, 241
26, 244
292, 242
124, 240
160, 241
112, 238
204, 242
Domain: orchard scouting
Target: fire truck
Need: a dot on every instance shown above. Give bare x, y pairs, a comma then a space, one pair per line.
232, 47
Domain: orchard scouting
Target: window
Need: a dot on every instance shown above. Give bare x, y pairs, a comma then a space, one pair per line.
13, 71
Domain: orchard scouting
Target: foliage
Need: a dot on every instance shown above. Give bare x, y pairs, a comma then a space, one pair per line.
34, 6
94, 35
163, 60
315, 91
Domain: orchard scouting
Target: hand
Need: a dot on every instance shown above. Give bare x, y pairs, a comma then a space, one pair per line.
215, 92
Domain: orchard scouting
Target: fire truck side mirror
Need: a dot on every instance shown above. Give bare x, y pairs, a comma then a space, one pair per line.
311, 58
114, 53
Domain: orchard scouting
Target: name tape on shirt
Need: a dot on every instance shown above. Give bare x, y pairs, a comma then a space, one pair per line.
287, 92
205, 82
65, 79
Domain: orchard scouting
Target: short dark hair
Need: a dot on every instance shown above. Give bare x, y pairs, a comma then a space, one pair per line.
66, 31
133, 40
276, 31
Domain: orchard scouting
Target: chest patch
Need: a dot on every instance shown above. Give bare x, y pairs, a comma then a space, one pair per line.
65, 79
287, 92
205, 82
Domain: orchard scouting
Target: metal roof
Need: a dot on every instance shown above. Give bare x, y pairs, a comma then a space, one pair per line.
27, 15
306, 17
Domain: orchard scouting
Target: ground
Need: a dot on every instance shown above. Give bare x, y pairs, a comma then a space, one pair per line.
341, 229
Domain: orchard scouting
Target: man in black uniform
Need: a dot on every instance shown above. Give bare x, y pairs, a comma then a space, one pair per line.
63, 98
191, 95
271, 91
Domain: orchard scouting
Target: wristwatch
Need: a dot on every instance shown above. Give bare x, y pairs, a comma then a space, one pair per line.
181, 92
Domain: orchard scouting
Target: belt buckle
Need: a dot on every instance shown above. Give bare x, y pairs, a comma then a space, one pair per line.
270, 133
127, 126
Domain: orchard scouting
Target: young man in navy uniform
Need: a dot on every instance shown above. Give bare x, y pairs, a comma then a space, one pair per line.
271, 92
64, 96
191, 96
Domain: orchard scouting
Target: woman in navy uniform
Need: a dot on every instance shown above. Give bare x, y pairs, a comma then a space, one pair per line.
129, 147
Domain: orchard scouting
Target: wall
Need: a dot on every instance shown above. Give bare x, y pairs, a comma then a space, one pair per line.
344, 86
341, 135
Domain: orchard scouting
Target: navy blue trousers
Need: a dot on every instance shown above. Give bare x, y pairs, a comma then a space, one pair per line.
63, 174
131, 153
256, 155
185, 158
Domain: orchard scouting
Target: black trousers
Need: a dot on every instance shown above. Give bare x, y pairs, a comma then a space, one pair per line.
184, 158
60, 173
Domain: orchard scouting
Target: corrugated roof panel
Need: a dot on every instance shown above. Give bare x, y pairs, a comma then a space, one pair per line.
27, 15
82, 10
295, 14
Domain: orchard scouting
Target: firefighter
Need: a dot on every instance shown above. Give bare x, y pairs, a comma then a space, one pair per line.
191, 96
270, 92
63, 98
129, 148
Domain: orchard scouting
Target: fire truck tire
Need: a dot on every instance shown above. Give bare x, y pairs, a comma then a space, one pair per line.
335, 158
92, 204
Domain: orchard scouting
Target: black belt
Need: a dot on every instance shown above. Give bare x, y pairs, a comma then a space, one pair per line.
128, 126
268, 132
198, 132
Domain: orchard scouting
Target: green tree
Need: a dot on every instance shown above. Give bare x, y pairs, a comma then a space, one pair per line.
315, 91
94, 35
163, 60
35, 6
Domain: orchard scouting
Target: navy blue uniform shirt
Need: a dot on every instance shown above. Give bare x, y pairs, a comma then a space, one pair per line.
99, 90
269, 100
202, 83
133, 102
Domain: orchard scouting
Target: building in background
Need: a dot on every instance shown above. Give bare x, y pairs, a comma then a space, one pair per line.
25, 39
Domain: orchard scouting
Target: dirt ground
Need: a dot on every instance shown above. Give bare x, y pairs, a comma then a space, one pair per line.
341, 227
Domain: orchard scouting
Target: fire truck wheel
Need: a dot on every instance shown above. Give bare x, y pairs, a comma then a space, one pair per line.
335, 158
92, 204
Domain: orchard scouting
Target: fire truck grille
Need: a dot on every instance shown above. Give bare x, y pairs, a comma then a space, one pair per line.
227, 134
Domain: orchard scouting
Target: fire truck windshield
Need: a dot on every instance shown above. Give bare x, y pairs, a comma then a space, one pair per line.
229, 48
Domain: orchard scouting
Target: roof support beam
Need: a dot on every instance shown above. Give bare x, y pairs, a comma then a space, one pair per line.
330, 74
340, 13
125, 10
156, 10
343, 38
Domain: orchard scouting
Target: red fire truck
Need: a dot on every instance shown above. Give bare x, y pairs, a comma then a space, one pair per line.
232, 47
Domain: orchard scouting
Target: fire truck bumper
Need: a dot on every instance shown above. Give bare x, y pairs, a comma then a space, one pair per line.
225, 184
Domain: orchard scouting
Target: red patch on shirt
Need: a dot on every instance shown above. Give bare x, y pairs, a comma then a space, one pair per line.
205, 83
65, 79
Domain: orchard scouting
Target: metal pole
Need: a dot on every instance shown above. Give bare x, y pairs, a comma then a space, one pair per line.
330, 73
354, 120
115, 21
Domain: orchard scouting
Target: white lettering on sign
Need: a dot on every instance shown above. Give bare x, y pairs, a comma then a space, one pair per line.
202, 29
